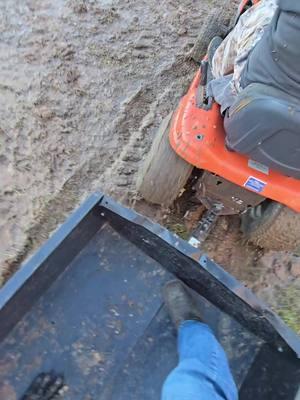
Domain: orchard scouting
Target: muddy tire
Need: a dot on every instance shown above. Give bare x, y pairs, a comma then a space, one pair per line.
272, 226
214, 26
164, 174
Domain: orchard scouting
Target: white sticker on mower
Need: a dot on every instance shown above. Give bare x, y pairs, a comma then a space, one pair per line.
194, 242
259, 167
254, 184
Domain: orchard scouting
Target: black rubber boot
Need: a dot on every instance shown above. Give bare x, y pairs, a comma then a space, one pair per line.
181, 305
46, 386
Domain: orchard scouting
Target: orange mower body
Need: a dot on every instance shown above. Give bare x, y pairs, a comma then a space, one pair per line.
244, 4
198, 136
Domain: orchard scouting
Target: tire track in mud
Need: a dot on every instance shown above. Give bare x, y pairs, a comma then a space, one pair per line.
153, 106
132, 147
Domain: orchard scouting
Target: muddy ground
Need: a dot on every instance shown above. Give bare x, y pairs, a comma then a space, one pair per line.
83, 87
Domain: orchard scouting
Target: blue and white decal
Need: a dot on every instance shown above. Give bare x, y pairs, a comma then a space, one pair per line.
254, 184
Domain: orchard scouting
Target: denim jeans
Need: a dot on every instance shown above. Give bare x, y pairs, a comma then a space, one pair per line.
203, 372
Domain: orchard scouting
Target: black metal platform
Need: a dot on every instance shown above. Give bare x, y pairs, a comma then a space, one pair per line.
89, 305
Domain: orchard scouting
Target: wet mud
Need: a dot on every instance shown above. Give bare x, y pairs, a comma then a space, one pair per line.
83, 88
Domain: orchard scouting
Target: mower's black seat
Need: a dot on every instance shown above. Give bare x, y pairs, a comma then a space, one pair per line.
264, 123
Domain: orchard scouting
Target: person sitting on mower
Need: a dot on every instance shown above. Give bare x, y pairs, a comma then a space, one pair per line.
262, 48
231, 55
260, 99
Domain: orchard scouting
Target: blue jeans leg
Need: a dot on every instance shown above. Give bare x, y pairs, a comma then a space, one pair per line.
203, 372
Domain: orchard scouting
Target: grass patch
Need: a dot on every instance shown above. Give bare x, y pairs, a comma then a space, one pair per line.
179, 229
289, 306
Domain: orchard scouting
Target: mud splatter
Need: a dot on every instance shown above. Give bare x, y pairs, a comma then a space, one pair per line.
87, 358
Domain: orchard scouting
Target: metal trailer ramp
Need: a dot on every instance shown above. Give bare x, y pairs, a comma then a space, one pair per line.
88, 304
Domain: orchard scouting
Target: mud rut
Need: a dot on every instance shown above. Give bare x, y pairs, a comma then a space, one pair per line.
83, 88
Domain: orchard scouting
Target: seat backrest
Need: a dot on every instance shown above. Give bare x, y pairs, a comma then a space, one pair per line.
264, 123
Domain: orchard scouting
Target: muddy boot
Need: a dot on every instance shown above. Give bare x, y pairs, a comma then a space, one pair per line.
46, 386
181, 305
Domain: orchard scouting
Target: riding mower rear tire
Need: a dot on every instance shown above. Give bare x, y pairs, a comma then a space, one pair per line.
214, 26
272, 226
164, 174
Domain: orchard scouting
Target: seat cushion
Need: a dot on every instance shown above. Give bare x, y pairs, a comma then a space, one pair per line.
264, 123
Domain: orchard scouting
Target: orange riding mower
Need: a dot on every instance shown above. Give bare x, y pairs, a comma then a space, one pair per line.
257, 175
